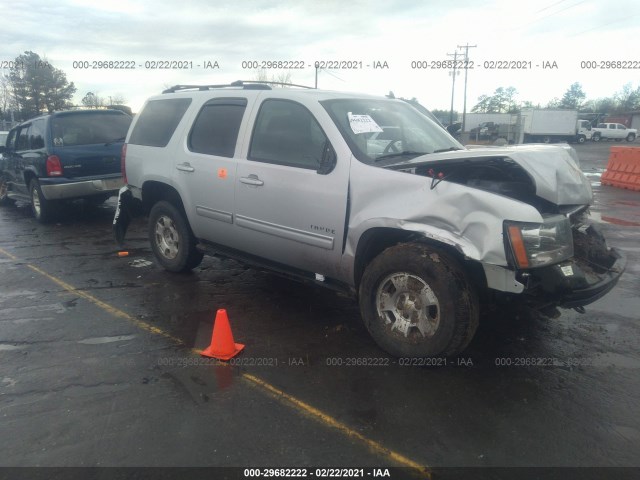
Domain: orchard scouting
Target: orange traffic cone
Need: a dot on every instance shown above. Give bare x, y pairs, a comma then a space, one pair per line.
222, 345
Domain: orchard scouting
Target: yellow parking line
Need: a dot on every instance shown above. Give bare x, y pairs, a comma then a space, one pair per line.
283, 397
332, 422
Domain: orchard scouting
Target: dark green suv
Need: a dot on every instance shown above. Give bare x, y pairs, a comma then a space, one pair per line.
63, 156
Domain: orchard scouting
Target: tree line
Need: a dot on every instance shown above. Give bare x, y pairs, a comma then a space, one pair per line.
34, 86
504, 100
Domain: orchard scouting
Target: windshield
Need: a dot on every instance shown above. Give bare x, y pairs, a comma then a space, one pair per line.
379, 129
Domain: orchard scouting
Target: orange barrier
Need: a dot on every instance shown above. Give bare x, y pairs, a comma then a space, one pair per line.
222, 345
623, 170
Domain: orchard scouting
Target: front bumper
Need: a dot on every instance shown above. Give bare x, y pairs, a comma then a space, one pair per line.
576, 284
68, 188
589, 275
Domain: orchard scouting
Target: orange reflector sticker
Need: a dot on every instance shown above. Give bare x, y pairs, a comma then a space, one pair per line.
518, 246
222, 173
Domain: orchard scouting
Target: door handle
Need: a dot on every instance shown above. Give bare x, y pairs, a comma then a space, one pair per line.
185, 167
252, 180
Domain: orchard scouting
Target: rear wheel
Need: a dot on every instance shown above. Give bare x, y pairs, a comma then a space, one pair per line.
416, 301
43, 209
172, 241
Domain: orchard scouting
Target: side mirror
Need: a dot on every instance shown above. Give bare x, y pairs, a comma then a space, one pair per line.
328, 161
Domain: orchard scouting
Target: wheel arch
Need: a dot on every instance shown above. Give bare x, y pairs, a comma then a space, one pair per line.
154, 191
375, 240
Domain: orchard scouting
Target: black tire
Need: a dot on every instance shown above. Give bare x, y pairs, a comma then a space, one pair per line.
172, 241
43, 210
437, 296
4, 190
631, 137
546, 139
596, 137
582, 139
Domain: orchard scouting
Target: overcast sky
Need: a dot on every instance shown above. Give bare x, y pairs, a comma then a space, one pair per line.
398, 32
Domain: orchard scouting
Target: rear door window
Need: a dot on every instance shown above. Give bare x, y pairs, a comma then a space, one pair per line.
158, 120
36, 134
215, 131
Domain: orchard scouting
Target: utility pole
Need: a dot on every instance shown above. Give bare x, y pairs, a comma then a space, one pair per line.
453, 86
466, 70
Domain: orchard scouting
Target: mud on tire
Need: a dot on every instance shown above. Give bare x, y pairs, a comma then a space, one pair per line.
172, 241
417, 301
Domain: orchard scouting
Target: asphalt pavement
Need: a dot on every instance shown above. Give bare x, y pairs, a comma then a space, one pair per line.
99, 364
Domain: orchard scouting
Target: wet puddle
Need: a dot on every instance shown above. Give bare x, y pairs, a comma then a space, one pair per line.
101, 340
5, 347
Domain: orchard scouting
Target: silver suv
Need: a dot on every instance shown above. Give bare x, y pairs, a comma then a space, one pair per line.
368, 196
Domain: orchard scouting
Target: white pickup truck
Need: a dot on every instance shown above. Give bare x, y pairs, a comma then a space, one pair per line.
613, 131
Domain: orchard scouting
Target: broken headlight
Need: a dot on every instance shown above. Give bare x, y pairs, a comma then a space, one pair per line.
539, 244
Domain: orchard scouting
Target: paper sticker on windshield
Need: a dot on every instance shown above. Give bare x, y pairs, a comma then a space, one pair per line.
362, 124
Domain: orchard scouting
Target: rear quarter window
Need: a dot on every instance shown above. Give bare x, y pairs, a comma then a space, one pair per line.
158, 120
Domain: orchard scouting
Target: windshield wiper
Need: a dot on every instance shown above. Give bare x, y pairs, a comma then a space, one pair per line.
450, 149
400, 154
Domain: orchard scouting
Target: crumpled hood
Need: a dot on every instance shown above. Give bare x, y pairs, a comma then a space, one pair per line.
554, 169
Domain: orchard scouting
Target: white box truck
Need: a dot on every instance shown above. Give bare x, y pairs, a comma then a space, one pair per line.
553, 125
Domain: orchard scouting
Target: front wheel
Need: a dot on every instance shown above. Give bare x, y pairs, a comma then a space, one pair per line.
631, 137
417, 301
172, 241
581, 138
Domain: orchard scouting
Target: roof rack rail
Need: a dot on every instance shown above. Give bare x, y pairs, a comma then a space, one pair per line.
246, 84
269, 82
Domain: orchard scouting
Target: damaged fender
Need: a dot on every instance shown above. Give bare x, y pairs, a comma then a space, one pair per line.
468, 219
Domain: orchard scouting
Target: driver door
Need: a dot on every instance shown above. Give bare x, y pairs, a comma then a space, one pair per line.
287, 209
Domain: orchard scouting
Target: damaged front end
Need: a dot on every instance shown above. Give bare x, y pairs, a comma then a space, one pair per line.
561, 261
588, 274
